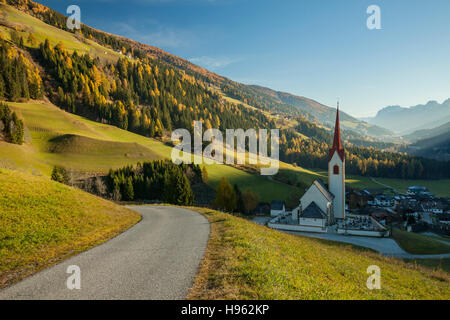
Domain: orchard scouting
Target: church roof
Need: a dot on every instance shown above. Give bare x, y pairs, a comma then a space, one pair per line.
277, 205
324, 190
313, 211
337, 143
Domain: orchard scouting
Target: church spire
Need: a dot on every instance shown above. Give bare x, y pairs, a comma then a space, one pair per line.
337, 143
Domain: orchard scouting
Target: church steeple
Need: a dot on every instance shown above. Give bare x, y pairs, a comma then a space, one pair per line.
336, 171
337, 143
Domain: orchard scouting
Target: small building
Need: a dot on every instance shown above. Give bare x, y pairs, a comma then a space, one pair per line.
384, 200
415, 190
432, 207
262, 209
277, 207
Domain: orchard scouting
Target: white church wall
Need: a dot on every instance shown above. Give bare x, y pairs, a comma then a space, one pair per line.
312, 222
364, 233
296, 227
314, 194
336, 185
274, 213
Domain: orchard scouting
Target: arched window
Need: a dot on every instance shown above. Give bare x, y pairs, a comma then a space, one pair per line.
336, 169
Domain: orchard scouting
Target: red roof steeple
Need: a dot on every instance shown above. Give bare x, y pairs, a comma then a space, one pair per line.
337, 143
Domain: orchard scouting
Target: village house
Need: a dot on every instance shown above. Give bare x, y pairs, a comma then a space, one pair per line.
277, 207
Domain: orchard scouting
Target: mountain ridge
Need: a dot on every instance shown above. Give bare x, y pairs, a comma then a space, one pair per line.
286, 103
410, 119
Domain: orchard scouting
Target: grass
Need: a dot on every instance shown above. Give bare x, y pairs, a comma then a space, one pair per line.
55, 137
435, 264
42, 31
43, 222
419, 244
439, 188
46, 124
248, 261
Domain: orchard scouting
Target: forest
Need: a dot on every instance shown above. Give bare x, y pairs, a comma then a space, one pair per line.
312, 152
150, 97
157, 180
144, 96
19, 78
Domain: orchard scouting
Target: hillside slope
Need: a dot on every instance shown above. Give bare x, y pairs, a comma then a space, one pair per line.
428, 133
437, 147
43, 222
262, 98
55, 137
247, 261
324, 114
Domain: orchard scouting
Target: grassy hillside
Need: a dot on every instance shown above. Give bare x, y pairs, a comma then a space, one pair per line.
26, 24
419, 244
248, 261
43, 222
55, 137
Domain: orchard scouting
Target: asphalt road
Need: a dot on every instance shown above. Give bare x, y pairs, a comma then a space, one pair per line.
157, 258
386, 246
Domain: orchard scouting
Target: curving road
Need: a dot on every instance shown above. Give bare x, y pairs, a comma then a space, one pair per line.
386, 246
157, 258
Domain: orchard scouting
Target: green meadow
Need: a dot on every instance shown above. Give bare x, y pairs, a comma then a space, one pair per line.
247, 261
43, 222
25, 24
55, 137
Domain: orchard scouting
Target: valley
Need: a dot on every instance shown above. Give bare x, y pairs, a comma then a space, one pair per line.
86, 121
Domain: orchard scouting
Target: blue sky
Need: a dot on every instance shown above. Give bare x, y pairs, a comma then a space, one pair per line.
320, 49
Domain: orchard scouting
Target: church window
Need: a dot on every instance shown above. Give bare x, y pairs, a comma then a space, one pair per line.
336, 169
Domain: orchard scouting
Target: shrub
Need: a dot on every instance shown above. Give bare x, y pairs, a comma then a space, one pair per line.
60, 174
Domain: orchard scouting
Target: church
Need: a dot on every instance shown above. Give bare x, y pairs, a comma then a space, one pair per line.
323, 205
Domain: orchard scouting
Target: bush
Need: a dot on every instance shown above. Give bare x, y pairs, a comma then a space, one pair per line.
60, 174
226, 198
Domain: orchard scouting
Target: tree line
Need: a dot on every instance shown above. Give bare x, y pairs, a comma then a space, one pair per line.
11, 127
156, 180
232, 199
312, 152
19, 78
149, 97
143, 96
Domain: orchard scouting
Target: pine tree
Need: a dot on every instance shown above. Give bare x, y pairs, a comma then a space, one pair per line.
128, 194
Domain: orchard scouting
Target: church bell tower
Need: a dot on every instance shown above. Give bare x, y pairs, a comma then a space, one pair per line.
336, 172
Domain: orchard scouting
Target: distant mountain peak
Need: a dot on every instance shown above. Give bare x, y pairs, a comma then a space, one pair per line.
407, 119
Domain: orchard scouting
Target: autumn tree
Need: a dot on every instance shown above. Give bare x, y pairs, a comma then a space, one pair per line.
225, 196
250, 200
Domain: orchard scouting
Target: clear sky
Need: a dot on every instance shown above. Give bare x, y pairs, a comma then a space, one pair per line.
321, 49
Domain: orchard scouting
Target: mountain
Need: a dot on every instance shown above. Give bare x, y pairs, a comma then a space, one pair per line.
142, 89
436, 147
428, 133
255, 96
322, 113
406, 120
